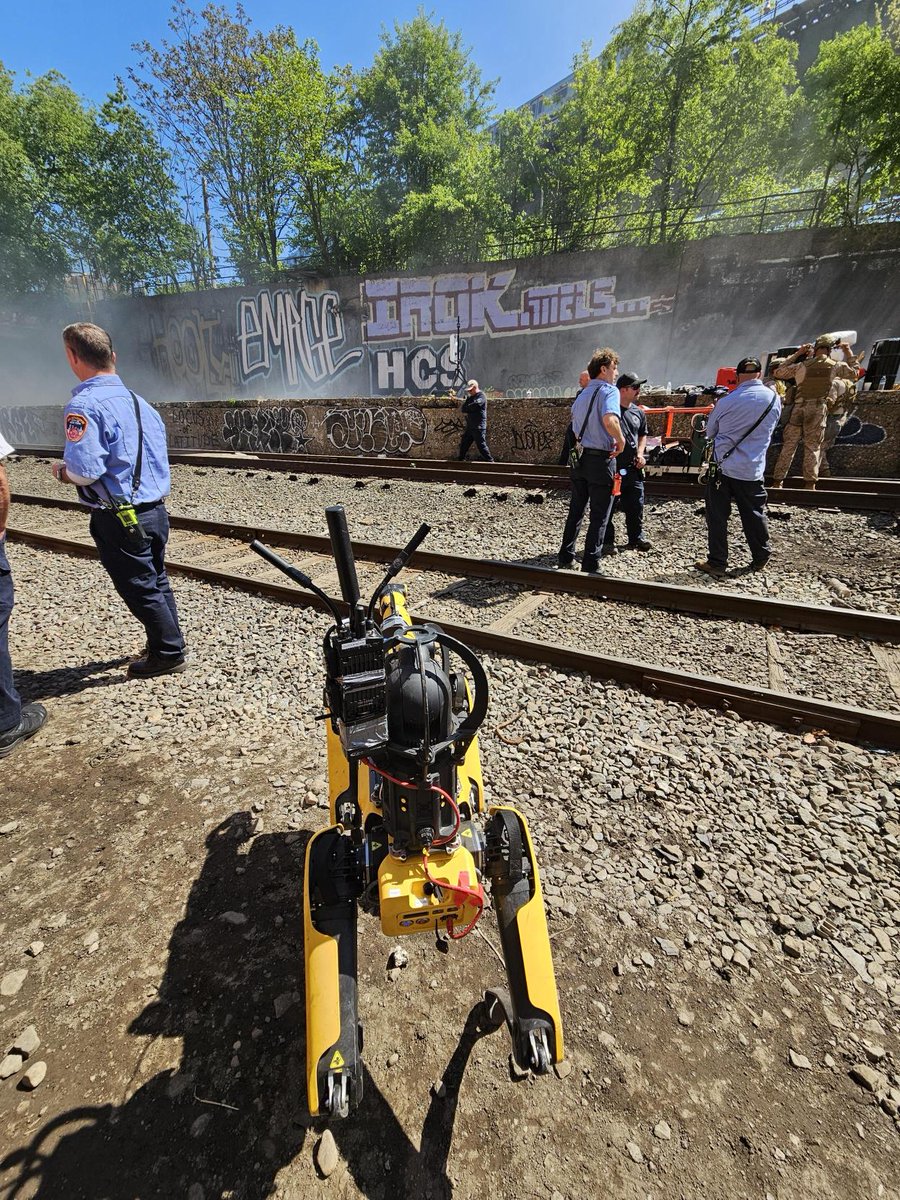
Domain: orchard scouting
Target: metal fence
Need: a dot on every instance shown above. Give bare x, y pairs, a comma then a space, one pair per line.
533, 237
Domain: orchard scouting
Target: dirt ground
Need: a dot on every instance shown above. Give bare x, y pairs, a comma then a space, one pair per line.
174, 1038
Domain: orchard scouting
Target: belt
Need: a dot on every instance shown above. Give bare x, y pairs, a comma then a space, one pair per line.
150, 504
588, 450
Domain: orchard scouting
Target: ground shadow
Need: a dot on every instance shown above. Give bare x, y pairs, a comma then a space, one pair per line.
67, 681
234, 1112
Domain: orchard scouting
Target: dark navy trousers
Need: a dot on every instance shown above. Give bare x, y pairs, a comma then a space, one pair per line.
631, 503
592, 483
10, 702
139, 576
479, 437
749, 496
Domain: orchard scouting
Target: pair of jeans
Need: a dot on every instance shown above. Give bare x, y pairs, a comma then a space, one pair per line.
10, 701
139, 576
592, 483
749, 495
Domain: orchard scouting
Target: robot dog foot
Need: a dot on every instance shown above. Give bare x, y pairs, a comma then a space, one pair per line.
531, 1006
333, 1032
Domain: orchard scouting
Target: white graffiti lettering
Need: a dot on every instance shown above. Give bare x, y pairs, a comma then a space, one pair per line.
418, 371
427, 306
375, 430
301, 330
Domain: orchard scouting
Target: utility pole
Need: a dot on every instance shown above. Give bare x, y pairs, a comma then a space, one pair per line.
208, 222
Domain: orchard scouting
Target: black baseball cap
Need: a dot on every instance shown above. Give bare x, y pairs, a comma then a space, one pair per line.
629, 381
747, 366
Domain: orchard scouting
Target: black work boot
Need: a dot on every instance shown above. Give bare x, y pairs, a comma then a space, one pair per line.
150, 666
32, 718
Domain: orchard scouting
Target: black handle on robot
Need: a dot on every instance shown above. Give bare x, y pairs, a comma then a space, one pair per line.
296, 575
343, 553
399, 563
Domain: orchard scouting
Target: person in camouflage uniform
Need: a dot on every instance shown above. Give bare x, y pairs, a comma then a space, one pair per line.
813, 371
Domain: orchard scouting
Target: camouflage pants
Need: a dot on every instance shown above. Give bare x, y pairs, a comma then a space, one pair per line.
833, 426
806, 423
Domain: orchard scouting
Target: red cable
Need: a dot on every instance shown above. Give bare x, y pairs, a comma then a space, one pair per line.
406, 783
458, 889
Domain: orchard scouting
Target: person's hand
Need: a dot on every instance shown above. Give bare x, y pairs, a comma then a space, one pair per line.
59, 469
620, 445
640, 462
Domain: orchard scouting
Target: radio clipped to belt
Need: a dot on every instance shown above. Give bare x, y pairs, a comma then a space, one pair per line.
126, 514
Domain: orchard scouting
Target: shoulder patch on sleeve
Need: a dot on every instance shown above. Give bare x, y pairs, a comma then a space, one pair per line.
76, 426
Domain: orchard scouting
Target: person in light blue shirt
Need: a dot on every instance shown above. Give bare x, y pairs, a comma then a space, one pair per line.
597, 426
115, 455
740, 428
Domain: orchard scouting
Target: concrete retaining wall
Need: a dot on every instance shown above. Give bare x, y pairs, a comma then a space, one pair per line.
518, 430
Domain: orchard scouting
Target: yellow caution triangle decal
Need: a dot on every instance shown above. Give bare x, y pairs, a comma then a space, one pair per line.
337, 1060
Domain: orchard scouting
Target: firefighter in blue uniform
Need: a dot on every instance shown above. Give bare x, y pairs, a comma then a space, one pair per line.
115, 455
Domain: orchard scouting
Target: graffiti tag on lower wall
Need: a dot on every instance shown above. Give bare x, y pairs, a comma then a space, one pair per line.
26, 426
534, 440
375, 430
432, 305
300, 331
277, 430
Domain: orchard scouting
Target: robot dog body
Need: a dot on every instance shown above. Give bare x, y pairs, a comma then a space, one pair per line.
410, 835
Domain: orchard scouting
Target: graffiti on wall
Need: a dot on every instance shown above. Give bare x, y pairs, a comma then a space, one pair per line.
417, 370
533, 440
431, 305
29, 426
375, 430
276, 430
190, 349
301, 332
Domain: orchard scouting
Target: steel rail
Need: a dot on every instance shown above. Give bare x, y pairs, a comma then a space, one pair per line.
705, 602
865, 495
756, 703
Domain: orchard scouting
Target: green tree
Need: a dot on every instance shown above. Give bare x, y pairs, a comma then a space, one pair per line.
705, 104
301, 114
424, 165
31, 257
137, 233
201, 90
853, 89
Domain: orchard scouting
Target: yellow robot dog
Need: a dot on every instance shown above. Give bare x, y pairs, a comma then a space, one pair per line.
410, 836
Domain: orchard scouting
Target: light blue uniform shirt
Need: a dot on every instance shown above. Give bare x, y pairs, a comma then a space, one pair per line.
595, 436
731, 418
102, 441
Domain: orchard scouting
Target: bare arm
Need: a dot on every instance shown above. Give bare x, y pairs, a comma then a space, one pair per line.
4, 498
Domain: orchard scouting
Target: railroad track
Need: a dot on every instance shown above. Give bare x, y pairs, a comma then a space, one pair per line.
218, 553
879, 495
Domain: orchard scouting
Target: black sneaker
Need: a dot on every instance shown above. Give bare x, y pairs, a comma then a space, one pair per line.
150, 666
640, 544
563, 565
608, 551
758, 564
32, 718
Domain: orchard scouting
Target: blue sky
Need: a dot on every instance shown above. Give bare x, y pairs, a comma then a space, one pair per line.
526, 44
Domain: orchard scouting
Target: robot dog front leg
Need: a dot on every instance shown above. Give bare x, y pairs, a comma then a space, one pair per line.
333, 1031
531, 1008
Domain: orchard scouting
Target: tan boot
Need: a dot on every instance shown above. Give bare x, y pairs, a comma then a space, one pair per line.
776, 483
